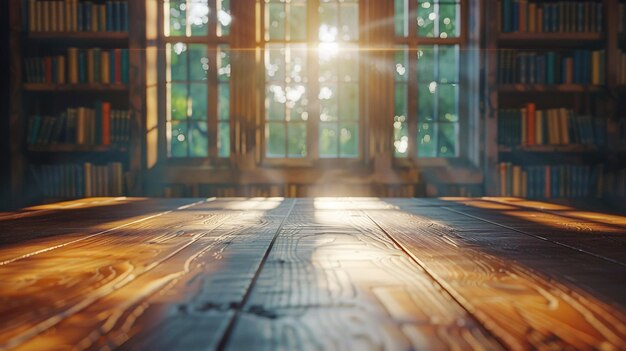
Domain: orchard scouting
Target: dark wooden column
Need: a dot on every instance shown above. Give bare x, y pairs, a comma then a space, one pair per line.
17, 164
246, 123
378, 86
5, 161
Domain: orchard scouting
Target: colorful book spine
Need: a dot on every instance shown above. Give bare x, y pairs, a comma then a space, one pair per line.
573, 67
96, 125
88, 66
75, 16
529, 126
563, 16
560, 181
74, 180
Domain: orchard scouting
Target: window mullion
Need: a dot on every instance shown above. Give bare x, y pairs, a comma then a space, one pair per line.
413, 104
313, 87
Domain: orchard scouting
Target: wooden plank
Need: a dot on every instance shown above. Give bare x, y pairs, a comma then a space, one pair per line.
41, 228
333, 280
518, 287
178, 276
600, 235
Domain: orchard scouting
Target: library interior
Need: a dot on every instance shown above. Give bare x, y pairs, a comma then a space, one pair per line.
313, 175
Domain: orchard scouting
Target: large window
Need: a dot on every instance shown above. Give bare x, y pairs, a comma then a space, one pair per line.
311, 78
197, 78
427, 60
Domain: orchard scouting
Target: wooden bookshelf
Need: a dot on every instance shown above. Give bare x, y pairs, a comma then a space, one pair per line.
550, 149
75, 148
79, 36
548, 88
550, 38
74, 87
30, 99
582, 99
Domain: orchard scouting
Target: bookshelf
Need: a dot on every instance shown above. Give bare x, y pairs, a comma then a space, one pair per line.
77, 100
554, 55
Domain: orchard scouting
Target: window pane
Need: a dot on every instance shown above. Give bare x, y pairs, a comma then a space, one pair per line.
177, 17
178, 100
329, 140
198, 62
275, 21
426, 70
448, 58
447, 139
223, 63
223, 139
198, 139
349, 140
275, 63
297, 21
177, 61
198, 17
400, 119
296, 103
349, 22
329, 22
275, 139
296, 140
223, 18
438, 18
448, 17
297, 68
275, 103
426, 142
401, 18
426, 102
349, 102
401, 62
223, 101
400, 138
328, 100
178, 139
426, 17
348, 63
197, 104
448, 101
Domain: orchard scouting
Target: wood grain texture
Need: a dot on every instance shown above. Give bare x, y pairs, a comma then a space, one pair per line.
522, 307
334, 281
599, 234
324, 273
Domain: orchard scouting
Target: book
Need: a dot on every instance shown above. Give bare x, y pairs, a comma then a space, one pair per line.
557, 126
562, 16
75, 16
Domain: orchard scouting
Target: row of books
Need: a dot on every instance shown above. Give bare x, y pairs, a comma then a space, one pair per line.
562, 16
79, 180
557, 126
90, 66
99, 125
551, 181
577, 67
75, 16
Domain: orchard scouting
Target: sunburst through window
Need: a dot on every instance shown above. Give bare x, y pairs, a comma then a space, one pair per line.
311, 78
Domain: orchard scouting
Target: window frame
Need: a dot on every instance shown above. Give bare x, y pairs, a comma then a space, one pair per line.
312, 41
412, 42
213, 42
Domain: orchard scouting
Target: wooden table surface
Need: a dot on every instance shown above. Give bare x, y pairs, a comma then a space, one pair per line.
311, 274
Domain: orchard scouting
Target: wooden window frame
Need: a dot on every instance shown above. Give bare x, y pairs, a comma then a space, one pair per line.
312, 41
213, 42
412, 42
